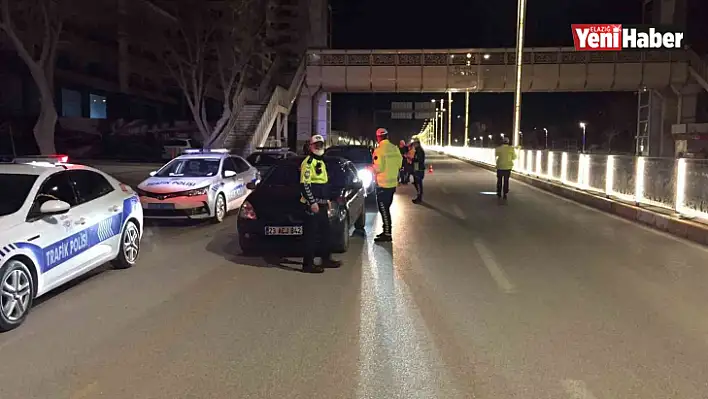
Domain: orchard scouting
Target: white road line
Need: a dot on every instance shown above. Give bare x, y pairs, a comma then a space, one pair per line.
577, 389
458, 212
495, 270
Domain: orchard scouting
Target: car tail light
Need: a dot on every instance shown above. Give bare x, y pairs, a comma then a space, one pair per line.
61, 158
247, 211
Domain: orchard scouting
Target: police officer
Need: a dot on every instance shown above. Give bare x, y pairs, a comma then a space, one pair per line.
315, 188
418, 170
505, 156
403, 175
387, 164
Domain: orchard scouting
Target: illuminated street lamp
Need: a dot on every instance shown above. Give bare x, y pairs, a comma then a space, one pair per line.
583, 125
520, 22
546, 130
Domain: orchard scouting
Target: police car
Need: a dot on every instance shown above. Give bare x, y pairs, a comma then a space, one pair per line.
57, 222
200, 184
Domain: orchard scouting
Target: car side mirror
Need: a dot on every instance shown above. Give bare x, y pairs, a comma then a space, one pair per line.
54, 207
251, 185
229, 173
153, 173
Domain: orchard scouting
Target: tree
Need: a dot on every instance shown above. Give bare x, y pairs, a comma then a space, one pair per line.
208, 46
34, 27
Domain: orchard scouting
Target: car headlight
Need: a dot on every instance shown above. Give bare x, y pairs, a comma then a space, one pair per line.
197, 191
366, 177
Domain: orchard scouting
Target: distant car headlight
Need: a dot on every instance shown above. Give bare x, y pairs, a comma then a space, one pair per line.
197, 191
366, 177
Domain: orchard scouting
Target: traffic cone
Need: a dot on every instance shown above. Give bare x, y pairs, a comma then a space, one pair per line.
430, 169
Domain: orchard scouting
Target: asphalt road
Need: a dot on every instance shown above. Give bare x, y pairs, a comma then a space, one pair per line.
541, 298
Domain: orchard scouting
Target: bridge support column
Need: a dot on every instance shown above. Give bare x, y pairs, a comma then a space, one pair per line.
313, 115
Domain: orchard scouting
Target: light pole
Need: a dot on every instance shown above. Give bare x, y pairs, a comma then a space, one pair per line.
546, 130
449, 118
467, 115
583, 125
442, 121
435, 127
520, 22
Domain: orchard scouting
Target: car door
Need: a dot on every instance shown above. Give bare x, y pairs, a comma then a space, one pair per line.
248, 173
58, 238
99, 213
232, 185
356, 197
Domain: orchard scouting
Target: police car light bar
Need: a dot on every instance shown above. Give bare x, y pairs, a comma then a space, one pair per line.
206, 151
52, 159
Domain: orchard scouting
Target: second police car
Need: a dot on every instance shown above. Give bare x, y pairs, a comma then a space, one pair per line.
200, 184
57, 222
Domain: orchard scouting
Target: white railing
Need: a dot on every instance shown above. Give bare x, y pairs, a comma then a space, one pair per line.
680, 185
281, 102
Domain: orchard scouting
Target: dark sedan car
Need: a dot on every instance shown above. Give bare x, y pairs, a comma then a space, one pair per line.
273, 215
361, 157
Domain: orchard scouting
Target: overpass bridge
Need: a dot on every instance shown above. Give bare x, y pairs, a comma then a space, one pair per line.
493, 70
668, 82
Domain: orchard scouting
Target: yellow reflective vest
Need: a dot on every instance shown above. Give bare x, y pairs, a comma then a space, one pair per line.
313, 178
387, 164
505, 156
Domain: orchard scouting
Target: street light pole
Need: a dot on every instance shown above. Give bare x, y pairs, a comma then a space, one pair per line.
583, 125
442, 122
467, 116
546, 130
449, 118
435, 127
520, 22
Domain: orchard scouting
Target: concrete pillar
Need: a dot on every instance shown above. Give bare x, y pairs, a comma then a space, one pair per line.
322, 113
305, 111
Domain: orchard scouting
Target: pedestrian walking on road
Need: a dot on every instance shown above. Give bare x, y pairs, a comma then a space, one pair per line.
387, 165
403, 177
418, 170
315, 195
505, 156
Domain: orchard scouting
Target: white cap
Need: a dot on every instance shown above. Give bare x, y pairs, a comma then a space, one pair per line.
317, 139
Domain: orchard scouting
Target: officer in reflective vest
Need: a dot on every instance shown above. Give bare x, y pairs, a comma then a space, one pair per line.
315, 188
387, 164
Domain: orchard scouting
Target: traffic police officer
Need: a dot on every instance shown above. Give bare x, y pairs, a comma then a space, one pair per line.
387, 164
314, 183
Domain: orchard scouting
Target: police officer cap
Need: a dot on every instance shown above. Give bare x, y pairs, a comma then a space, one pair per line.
316, 139
381, 132
506, 140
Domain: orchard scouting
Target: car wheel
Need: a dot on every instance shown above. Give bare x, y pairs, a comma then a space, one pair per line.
360, 222
17, 294
220, 208
129, 247
342, 245
246, 245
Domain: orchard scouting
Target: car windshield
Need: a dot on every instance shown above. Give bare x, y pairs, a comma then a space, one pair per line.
11, 201
354, 154
261, 159
194, 167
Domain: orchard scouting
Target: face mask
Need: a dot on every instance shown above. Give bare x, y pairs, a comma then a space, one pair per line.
318, 152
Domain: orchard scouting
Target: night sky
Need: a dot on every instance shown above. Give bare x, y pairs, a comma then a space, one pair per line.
398, 24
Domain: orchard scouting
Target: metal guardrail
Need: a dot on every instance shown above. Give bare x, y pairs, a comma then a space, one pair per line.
678, 185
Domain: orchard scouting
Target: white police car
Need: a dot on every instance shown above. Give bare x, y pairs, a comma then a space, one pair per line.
200, 184
57, 222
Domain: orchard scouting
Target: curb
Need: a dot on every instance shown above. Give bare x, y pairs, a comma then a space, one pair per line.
693, 231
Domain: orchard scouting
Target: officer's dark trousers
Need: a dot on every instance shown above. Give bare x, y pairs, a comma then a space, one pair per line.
418, 183
503, 176
384, 198
316, 231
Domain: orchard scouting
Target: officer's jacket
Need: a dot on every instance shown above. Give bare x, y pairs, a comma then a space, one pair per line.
314, 180
387, 164
505, 155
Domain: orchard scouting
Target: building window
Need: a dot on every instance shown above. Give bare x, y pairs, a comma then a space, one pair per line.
70, 103
98, 106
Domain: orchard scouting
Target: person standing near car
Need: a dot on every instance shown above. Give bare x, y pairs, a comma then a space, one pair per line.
314, 182
418, 170
403, 174
387, 165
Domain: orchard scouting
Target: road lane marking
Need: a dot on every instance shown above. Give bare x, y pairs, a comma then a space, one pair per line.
495, 270
458, 212
577, 389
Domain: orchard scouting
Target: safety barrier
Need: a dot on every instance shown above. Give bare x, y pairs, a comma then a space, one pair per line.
679, 185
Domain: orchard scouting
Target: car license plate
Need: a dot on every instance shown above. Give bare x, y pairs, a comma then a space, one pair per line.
161, 206
283, 231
